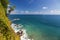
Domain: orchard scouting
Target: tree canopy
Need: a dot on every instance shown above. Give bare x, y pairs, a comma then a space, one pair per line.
4, 3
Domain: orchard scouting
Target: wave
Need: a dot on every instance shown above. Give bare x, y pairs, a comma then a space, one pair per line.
15, 19
18, 28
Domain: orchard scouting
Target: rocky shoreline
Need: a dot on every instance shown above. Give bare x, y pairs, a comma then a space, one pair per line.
18, 28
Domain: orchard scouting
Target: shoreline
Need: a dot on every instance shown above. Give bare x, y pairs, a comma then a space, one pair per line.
18, 29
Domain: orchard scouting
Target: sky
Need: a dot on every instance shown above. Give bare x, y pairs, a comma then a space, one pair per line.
36, 6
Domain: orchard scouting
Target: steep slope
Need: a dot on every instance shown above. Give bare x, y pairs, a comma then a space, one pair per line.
6, 32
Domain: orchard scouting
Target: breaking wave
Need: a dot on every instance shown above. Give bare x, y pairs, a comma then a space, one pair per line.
18, 28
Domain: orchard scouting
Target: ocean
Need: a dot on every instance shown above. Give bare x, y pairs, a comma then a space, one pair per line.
40, 27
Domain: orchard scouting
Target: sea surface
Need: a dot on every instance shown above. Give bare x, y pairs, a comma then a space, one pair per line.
40, 27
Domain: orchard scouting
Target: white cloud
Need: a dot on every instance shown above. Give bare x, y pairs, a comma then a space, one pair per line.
26, 11
56, 12
22, 12
15, 12
50, 12
44, 7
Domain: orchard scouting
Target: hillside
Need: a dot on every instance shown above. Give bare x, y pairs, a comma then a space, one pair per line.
6, 32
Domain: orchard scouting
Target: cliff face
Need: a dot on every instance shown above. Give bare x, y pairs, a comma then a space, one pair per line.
6, 32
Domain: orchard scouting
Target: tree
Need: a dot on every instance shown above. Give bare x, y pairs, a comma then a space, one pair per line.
11, 8
4, 3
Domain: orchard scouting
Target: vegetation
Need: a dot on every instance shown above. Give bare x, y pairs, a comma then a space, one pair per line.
6, 32
4, 4
11, 9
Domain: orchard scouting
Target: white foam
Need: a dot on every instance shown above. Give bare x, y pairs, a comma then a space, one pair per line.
25, 35
15, 19
16, 29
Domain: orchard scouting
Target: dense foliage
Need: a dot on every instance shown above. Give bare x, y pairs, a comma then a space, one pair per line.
6, 32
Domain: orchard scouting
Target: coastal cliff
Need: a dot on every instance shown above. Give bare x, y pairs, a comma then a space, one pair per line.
6, 32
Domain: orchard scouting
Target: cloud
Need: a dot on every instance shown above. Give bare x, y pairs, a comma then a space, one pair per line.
52, 11
26, 11
22, 11
48, 12
57, 12
44, 7
15, 12
19, 12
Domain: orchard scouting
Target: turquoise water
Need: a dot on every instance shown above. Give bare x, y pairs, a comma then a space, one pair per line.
40, 27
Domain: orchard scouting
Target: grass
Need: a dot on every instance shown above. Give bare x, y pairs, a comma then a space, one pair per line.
6, 32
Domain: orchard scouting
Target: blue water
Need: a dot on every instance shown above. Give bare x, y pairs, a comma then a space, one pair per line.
40, 27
